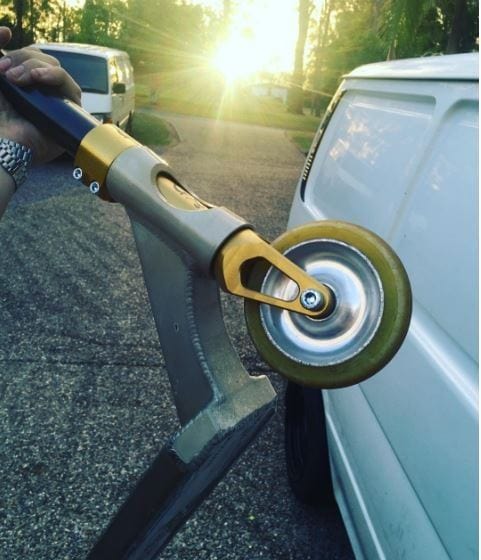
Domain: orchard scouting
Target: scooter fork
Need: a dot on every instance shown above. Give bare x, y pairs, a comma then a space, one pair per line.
220, 406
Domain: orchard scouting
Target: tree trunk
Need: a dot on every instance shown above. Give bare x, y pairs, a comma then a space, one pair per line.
19, 30
458, 27
295, 98
322, 35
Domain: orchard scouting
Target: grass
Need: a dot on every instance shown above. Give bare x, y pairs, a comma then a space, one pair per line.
201, 95
151, 130
302, 140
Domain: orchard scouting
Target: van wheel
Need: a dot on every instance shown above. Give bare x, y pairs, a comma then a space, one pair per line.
307, 456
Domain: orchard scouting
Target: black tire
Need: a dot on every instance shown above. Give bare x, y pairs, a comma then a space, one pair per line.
307, 456
128, 126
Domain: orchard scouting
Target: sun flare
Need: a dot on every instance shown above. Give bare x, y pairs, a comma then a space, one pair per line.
261, 37
236, 59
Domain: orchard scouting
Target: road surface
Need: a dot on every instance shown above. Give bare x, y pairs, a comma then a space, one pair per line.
84, 398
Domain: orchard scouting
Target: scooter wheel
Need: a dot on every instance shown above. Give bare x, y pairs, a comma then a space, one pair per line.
369, 319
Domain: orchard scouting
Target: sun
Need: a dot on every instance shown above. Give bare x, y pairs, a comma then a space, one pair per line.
261, 37
236, 59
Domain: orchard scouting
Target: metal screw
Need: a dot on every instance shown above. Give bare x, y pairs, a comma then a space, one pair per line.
94, 187
311, 299
77, 173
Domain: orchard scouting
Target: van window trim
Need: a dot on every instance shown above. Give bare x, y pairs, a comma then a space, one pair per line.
317, 139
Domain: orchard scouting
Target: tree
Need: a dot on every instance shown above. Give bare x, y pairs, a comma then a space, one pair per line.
32, 20
295, 99
321, 43
418, 27
350, 37
463, 28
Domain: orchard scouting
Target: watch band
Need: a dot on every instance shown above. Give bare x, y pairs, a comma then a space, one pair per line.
15, 158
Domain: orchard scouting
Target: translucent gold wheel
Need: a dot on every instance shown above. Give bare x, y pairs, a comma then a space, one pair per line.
369, 319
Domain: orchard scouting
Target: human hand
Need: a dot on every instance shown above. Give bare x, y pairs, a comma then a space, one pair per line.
27, 67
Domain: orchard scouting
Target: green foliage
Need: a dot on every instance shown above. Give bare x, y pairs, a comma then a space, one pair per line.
193, 98
165, 34
151, 130
354, 40
355, 32
177, 37
98, 23
420, 27
32, 20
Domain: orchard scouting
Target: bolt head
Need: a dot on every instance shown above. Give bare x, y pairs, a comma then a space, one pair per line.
77, 173
311, 299
94, 187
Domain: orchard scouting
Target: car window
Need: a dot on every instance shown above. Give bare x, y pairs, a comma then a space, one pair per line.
128, 70
113, 71
366, 155
90, 72
124, 70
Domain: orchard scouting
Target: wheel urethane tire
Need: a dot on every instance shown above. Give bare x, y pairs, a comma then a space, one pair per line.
370, 318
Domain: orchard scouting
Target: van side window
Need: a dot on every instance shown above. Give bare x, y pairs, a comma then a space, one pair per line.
113, 71
366, 156
124, 71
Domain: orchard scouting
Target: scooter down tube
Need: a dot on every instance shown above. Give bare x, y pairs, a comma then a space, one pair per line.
187, 248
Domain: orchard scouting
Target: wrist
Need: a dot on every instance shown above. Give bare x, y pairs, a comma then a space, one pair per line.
6, 181
15, 160
7, 188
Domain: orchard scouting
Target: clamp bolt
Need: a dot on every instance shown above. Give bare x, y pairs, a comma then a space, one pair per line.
311, 299
77, 173
94, 187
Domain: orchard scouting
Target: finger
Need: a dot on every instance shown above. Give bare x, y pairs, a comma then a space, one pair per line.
5, 36
20, 56
56, 77
37, 72
20, 74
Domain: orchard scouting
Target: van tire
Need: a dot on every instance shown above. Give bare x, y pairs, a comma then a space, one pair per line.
129, 125
307, 455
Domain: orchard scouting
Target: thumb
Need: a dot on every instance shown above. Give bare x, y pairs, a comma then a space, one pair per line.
5, 36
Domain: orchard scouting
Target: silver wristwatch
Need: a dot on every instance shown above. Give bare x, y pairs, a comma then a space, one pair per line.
15, 158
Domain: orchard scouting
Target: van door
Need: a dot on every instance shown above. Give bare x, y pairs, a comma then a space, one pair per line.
400, 158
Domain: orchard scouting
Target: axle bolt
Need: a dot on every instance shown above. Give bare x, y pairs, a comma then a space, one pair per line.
311, 299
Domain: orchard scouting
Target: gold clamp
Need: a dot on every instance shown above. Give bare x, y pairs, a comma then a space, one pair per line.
97, 151
313, 298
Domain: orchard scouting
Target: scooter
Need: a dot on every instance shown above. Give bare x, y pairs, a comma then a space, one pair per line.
327, 305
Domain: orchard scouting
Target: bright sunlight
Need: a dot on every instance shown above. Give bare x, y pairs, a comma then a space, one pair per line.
262, 37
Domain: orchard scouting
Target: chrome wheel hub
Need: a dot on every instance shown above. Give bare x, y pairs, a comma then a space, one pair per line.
355, 318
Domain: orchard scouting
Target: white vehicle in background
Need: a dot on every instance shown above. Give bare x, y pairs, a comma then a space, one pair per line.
397, 153
105, 76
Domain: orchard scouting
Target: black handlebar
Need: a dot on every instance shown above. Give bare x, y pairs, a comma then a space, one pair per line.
61, 119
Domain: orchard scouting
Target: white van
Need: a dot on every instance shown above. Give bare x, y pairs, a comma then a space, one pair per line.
398, 154
105, 76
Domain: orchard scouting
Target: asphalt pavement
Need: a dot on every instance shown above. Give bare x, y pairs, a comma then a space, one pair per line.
85, 403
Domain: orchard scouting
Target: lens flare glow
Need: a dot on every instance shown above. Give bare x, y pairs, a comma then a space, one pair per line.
261, 37
236, 59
